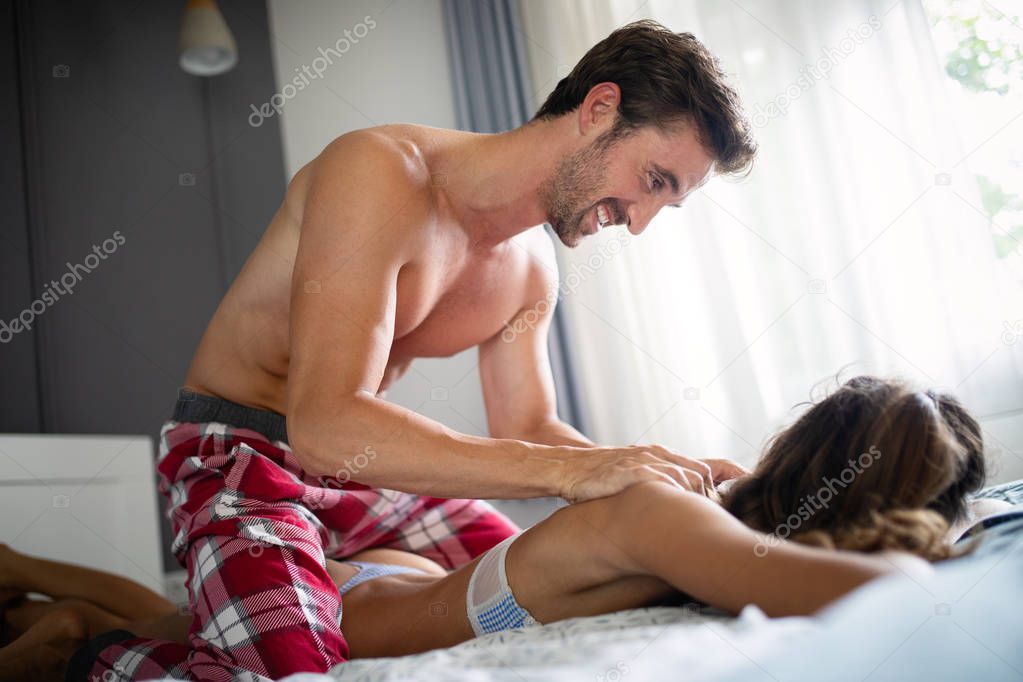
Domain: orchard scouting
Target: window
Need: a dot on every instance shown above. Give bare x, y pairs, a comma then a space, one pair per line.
981, 48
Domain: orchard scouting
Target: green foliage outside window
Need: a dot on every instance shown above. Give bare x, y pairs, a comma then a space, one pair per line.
982, 48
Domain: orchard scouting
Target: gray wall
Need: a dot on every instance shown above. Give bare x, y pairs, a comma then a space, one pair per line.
19, 409
109, 134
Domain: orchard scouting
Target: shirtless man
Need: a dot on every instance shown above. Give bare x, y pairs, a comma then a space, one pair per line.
396, 243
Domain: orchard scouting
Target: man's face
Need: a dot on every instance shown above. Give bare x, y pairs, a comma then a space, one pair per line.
623, 181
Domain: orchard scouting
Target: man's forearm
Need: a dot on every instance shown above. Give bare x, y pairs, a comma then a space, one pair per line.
556, 432
383, 445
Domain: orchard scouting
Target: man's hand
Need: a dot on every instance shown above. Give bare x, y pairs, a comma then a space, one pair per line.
603, 471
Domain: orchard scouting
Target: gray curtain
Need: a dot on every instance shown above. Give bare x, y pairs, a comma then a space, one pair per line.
492, 92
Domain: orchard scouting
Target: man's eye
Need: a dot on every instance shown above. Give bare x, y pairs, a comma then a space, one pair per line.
655, 182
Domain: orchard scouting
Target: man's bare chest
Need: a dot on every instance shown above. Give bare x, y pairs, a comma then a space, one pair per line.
437, 316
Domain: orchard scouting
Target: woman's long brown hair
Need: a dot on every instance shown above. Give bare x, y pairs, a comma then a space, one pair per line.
876, 465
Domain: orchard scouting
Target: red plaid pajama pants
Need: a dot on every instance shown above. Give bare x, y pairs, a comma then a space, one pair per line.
253, 530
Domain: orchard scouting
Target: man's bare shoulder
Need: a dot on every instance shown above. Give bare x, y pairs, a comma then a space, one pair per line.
375, 146
374, 180
377, 156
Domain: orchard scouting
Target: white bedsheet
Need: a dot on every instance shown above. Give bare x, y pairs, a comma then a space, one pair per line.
963, 623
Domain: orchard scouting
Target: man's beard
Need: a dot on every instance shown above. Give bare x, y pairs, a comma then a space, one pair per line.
568, 195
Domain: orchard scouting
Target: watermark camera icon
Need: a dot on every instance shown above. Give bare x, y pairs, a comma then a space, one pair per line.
692, 610
186, 179
61, 71
439, 608
691, 393
943, 179
116, 675
438, 394
615, 674
61, 501
1012, 332
943, 609
817, 286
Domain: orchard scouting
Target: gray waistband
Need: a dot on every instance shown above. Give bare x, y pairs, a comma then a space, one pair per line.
200, 408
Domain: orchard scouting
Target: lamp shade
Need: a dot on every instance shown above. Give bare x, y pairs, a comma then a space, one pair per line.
207, 47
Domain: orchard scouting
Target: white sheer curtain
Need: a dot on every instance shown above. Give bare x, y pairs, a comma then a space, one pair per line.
856, 245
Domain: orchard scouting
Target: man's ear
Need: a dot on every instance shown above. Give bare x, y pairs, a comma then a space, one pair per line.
599, 109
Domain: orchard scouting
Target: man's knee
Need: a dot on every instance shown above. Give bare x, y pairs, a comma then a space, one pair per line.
276, 592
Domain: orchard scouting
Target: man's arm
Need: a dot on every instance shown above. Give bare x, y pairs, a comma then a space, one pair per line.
515, 368
367, 213
515, 371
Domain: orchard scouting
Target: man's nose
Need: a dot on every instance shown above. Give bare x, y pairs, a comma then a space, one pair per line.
640, 216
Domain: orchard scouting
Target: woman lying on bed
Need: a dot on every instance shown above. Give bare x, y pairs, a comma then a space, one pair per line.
865, 483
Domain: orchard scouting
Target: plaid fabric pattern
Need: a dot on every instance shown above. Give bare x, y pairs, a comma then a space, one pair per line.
253, 530
504, 613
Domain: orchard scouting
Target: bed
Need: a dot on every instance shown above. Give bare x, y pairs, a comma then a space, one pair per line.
964, 623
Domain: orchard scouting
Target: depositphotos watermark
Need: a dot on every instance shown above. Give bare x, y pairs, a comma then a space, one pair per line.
811, 504
350, 469
1012, 332
310, 72
810, 74
57, 288
580, 272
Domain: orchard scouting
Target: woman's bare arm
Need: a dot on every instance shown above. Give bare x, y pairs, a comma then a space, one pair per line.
704, 551
629, 550
118, 595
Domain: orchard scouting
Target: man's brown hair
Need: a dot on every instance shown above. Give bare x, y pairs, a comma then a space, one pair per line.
665, 78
